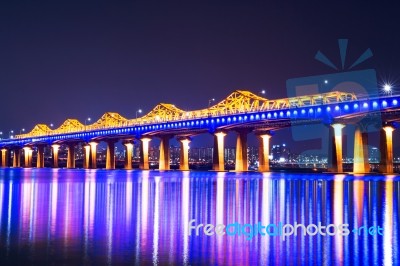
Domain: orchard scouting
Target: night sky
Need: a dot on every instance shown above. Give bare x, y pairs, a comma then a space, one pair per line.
68, 59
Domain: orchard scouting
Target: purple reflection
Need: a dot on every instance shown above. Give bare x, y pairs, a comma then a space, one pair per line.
97, 217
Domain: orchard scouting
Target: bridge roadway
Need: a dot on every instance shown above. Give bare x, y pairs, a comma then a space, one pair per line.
242, 112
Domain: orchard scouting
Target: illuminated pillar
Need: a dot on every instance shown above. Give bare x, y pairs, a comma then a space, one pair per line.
164, 153
263, 152
110, 157
55, 148
386, 147
144, 154
218, 152
86, 158
361, 164
27, 157
184, 154
128, 154
4, 158
241, 151
337, 148
17, 158
71, 155
93, 154
40, 156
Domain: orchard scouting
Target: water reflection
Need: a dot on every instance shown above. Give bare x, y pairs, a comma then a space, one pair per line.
98, 217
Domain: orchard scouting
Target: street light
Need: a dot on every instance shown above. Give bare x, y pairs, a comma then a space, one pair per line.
210, 101
387, 88
262, 92
1, 134
87, 120
22, 130
138, 111
11, 132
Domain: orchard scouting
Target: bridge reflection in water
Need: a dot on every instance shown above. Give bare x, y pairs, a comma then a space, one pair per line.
97, 216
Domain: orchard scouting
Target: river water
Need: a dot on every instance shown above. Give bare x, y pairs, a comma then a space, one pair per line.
99, 217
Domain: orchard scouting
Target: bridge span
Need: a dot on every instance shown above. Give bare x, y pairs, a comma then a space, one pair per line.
242, 112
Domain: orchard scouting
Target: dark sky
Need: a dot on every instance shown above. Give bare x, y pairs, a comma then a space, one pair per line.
74, 59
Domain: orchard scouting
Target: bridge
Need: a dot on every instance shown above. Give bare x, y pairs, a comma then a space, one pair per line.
242, 112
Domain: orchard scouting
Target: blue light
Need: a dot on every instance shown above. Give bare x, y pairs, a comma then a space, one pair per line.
275, 115
269, 115
245, 117
217, 120
394, 102
223, 120
311, 110
384, 103
346, 107
240, 118
303, 111
288, 113
355, 106
281, 114
229, 119
197, 123
337, 108
263, 116
374, 104
365, 105
319, 110
212, 121
295, 112
257, 117
252, 117
184, 124
328, 109
234, 119
192, 123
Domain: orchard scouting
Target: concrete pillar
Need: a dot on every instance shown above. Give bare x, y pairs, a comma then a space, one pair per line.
337, 148
128, 154
184, 154
110, 157
86, 156
241, 151
40, 156
144, 154
164, 153
93, 154
4, 157
263, 152
27, 157
218, 152
71, 155
386, 147
17, 158
55, 148
361, 164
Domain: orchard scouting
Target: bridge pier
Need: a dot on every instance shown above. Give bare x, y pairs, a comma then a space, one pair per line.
218, 151
361, 164
110, 157
71, 155
184, 154
17, 158
55, 148
263, 151
40, 156
241, 151
128, 154
386, 148
144, 154
337, 147
86, 156
93, 154
164, 153
27, 157
4, 157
